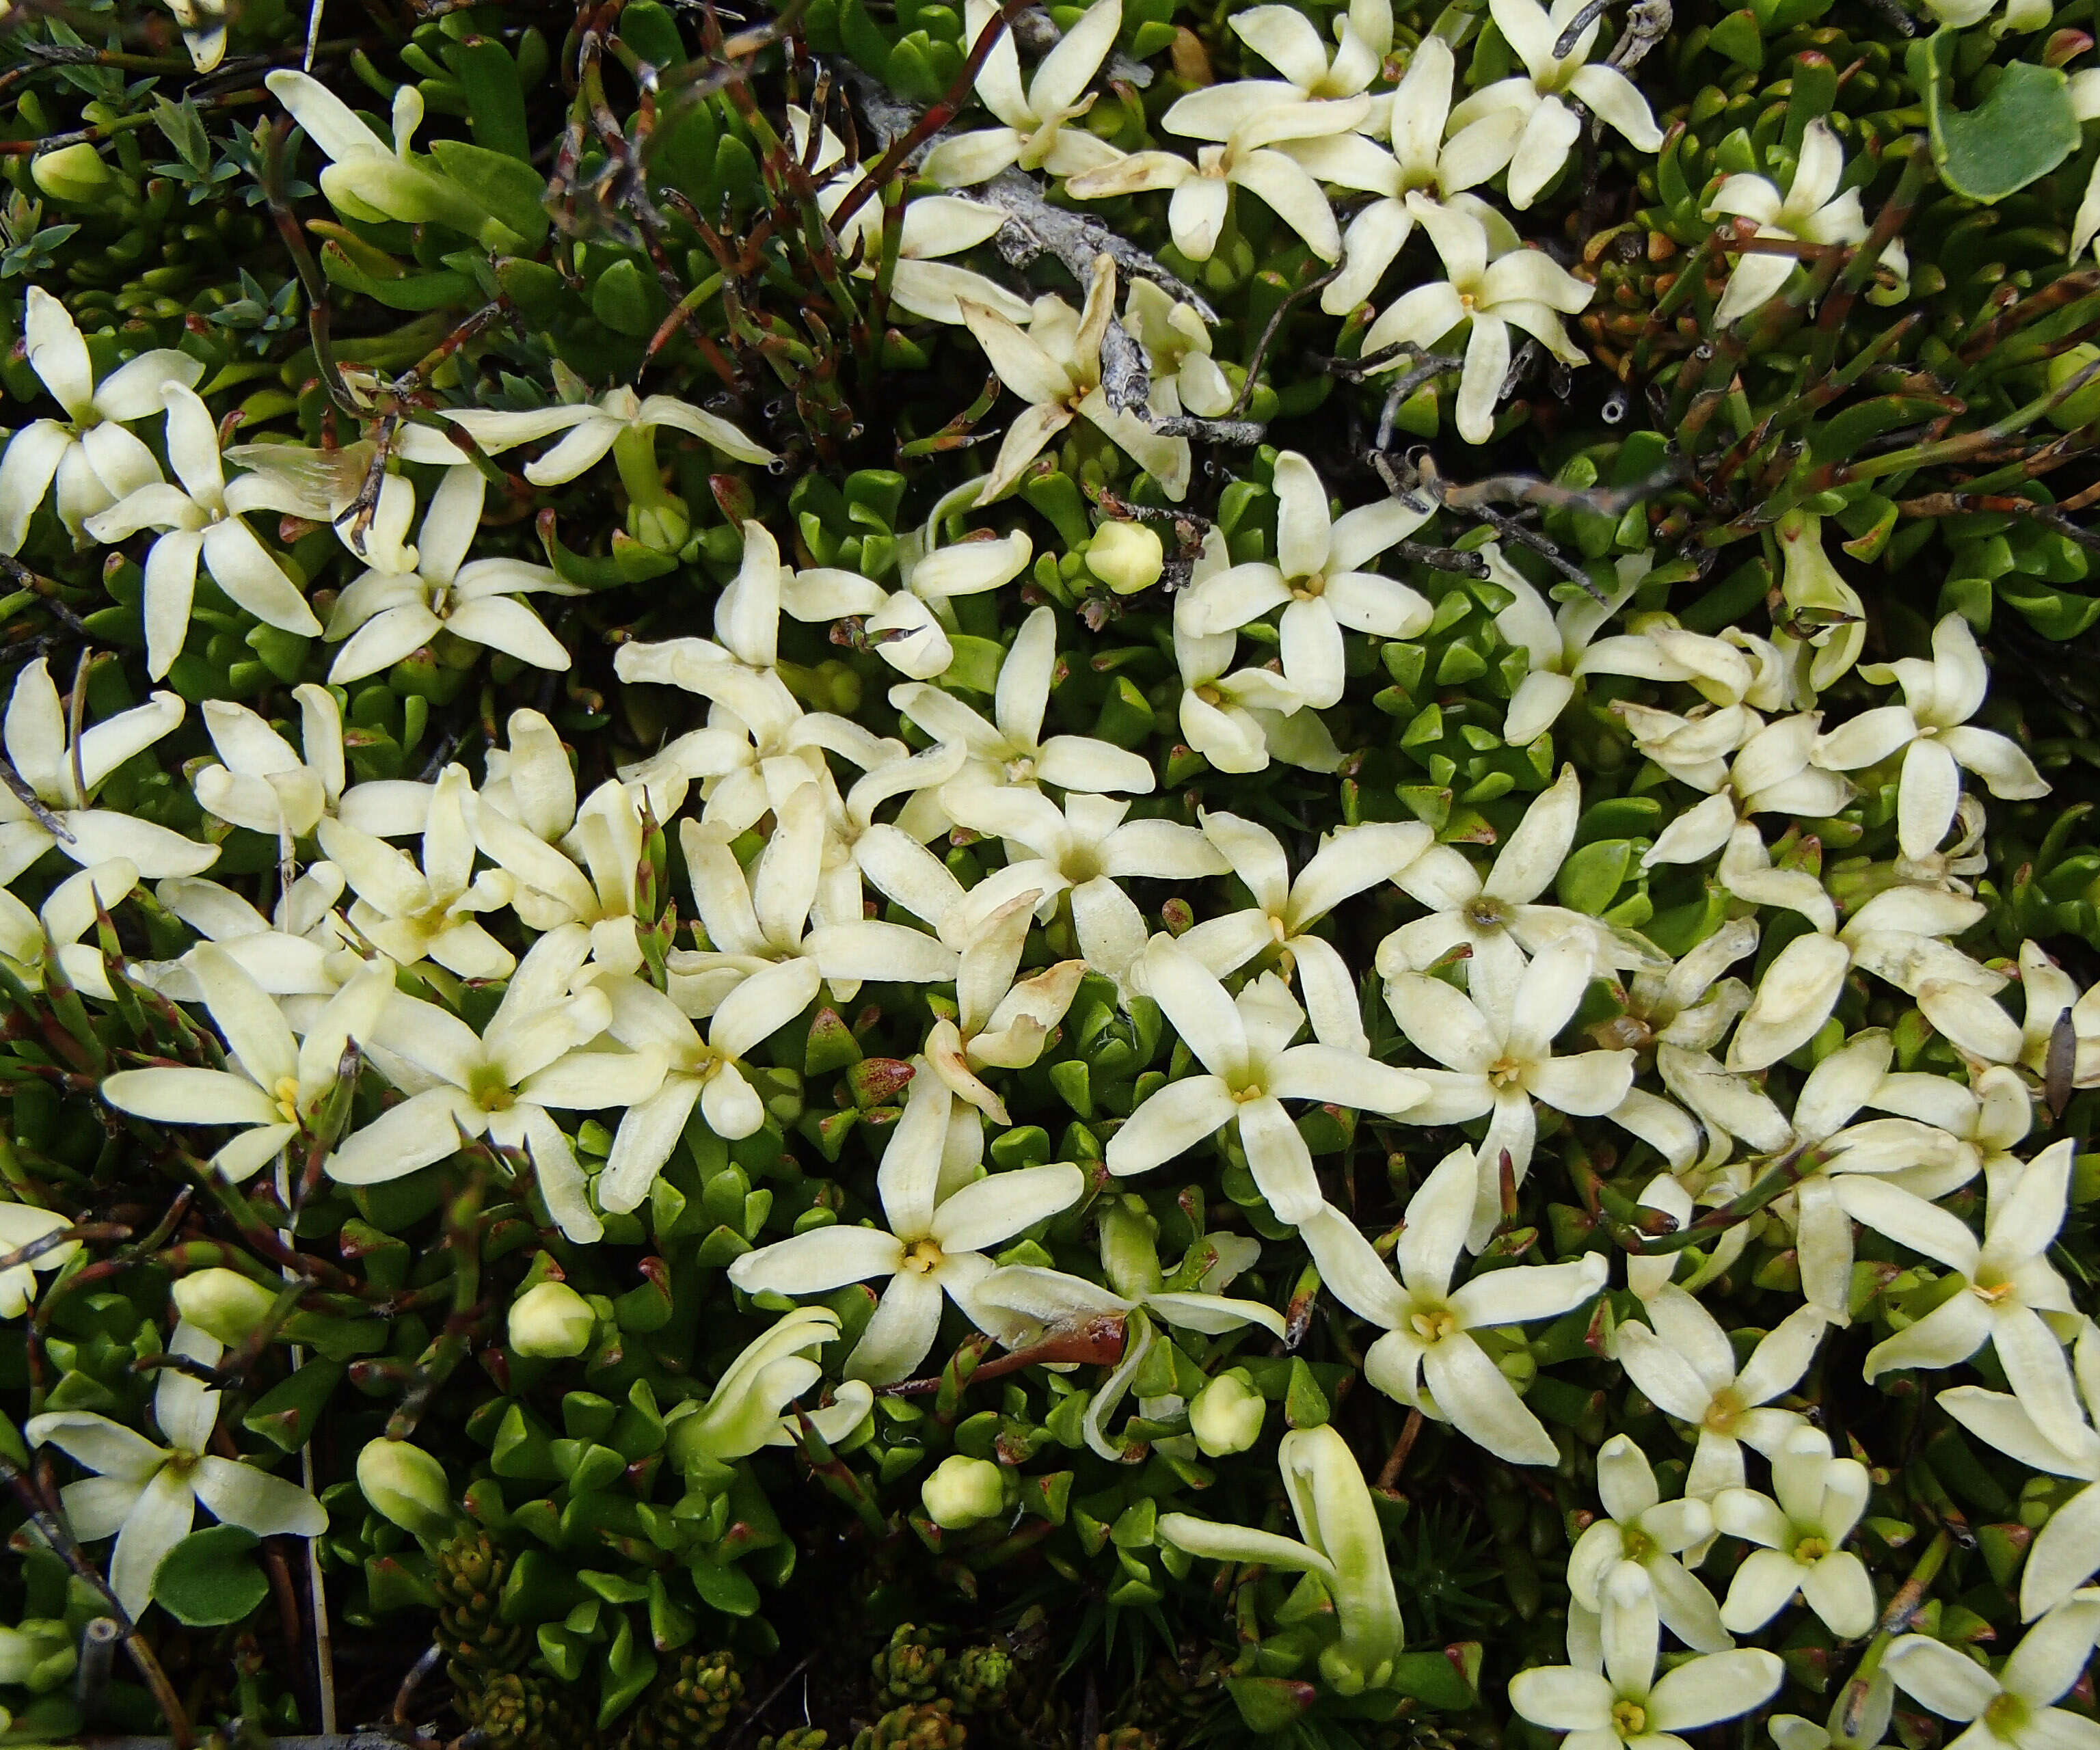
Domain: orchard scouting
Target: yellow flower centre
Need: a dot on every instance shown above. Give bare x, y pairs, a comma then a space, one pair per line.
1021, 770
1248, 1096
1628, 1718
1505, 1072
286, 1094
1811, 1549
923, 1257
1724, 1411
1636, 1544
1433, 1323
488, 1089
2006, 1716
1211, 695
1990, 1294
1309, 588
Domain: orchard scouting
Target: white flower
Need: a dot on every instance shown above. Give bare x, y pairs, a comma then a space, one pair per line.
2012, 1708
935, 1244
1495, 283
1344, 1546
1626, 1703
758, 745
910, 626
268, 788
1247, 158
1055, 365
1811, 211
276, 1086
1645, 1529
2067, 1549
94, 459
410, 594
68, 913
754, 920
1685, 1366
1011, 749
921, 285
146, 1495
595, 427
412, 913
1498, 919
1284, 911
1554, 641
22, 1225
999, 1023
1078, 854
706, 1072
1497, 1052
1527, 112
304, 950
549, 889
742, 1412
1239, 719
1177, 350
201, 521
1421, 162
64, 776
1033, 135
203, 25
1900, 936
1289, 42
460, 1083
1428, 1357
1244, 1042
1801, 1536
1931, 730
2009, 1297
1318, 580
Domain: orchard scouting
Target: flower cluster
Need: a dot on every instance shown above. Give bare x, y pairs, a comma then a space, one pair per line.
925, 1002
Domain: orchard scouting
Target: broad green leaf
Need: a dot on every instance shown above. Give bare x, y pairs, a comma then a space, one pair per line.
2021, 132
210, 1578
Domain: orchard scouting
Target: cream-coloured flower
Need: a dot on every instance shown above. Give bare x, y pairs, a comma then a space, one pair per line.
1494, 283
200, 522
1428, 1357
1247, 158
1318, 578
1034, 134
90, 453
146, 1495
1810, 211
1932, 732
1243, 1044
64, 776
1055, 366
1545, 127
934, 1245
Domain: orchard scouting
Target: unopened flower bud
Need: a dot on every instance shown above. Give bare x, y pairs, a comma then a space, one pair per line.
407, 1485
2082, 406
1226, 1415
223, 1303
74, 173
964, 1491
1128, 557
551, 1320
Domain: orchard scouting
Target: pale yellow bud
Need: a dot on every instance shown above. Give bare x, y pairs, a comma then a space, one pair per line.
1128, 557
963, 1491
552, 1320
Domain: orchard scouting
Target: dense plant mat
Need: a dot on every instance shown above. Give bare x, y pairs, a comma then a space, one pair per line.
1118, 876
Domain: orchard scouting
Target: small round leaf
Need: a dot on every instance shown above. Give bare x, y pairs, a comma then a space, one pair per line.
210, 1578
